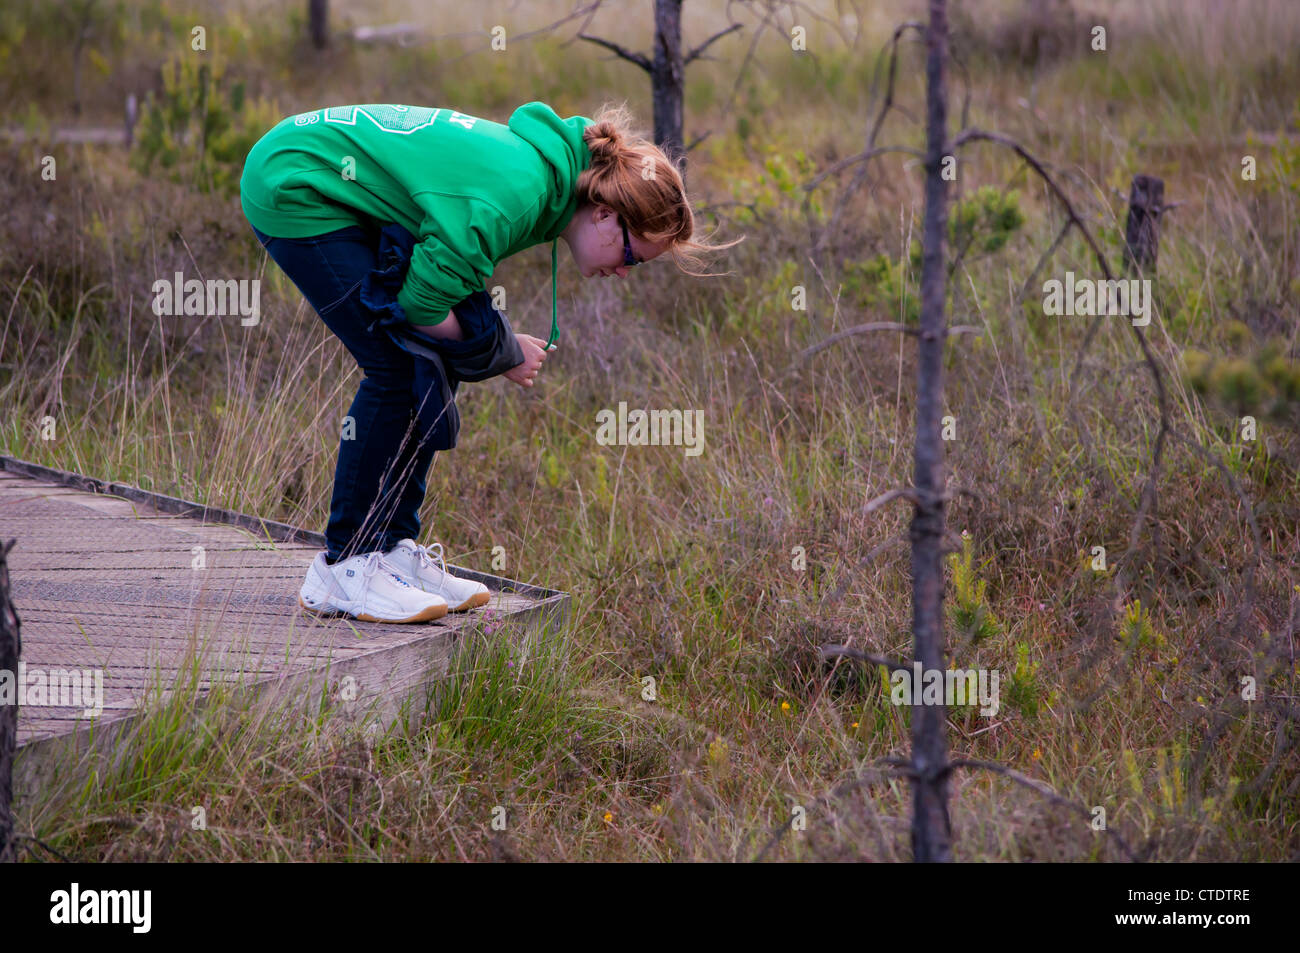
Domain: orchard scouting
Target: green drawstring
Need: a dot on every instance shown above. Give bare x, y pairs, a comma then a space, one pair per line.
555, 327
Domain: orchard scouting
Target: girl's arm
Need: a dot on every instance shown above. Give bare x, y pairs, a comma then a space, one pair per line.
447, 328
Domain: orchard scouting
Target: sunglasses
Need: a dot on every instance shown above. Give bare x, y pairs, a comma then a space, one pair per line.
628, 258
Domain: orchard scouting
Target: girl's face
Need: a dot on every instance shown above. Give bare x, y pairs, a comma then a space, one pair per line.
595, 237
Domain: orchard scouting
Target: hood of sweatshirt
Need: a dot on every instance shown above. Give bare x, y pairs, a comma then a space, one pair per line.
560, 144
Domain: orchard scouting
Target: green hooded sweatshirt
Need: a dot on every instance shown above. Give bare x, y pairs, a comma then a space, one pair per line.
472, 191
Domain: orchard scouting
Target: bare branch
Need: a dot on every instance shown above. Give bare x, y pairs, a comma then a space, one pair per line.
591, 12
856, 329
843, 164
588, 11
695, 53
888, 101
744, 64
832, 652
885, 498
842, 201
977, 135
1046, 791
874, 326
697, 140
920, 498
638, 58
1148, 500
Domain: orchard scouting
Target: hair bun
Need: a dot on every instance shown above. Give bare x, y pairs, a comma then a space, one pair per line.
604, 140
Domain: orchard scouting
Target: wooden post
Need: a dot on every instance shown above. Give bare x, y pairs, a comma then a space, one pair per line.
1142, 233
318, 21
10, 649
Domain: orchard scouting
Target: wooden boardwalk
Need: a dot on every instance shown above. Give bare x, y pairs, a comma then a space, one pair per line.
142, 588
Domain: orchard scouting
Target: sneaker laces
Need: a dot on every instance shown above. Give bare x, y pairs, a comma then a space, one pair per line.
375, 561
425, 555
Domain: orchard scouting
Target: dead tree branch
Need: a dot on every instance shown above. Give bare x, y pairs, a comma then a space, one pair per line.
589, 11
868, 328
846, 194
699, 50
1038, 787
1149, 491
638, 58
831, 653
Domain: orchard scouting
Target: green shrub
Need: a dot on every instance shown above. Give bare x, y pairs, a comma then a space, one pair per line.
1136, 631
882, 284
968, 609
1024, 691
201, 127
985, 221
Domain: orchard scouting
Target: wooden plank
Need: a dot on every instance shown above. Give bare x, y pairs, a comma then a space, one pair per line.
270, 529
103, 579
166, 556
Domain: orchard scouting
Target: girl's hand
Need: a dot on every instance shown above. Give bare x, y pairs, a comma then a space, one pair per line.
534, 353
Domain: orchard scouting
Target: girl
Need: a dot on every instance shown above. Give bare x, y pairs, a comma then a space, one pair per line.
327, 191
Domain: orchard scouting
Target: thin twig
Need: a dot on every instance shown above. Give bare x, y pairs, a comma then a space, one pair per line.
695, 53
829, 653
846, 195
638, 58
1149, 490
874, 326
1039, 787
29, 840
843, 164
888, 497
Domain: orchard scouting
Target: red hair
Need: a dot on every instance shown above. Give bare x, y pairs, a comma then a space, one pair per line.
634, 177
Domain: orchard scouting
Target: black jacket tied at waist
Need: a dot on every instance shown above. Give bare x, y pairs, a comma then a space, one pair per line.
489, 347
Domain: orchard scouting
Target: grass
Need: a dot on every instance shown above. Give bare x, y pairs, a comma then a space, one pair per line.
719, 576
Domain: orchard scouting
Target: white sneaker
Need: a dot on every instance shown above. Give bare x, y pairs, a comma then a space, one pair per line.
424, 566
367, 588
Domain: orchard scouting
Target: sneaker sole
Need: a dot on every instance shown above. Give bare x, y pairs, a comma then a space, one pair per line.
424, 615
474, 601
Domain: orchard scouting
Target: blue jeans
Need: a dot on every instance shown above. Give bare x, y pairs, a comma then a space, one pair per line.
379, 480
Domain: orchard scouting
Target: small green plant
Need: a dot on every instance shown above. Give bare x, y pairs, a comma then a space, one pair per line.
1136, 631
201, 127
1267, 382
777, 185
986, 220
1024, 691
883, 284
969, 609
1284, 171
